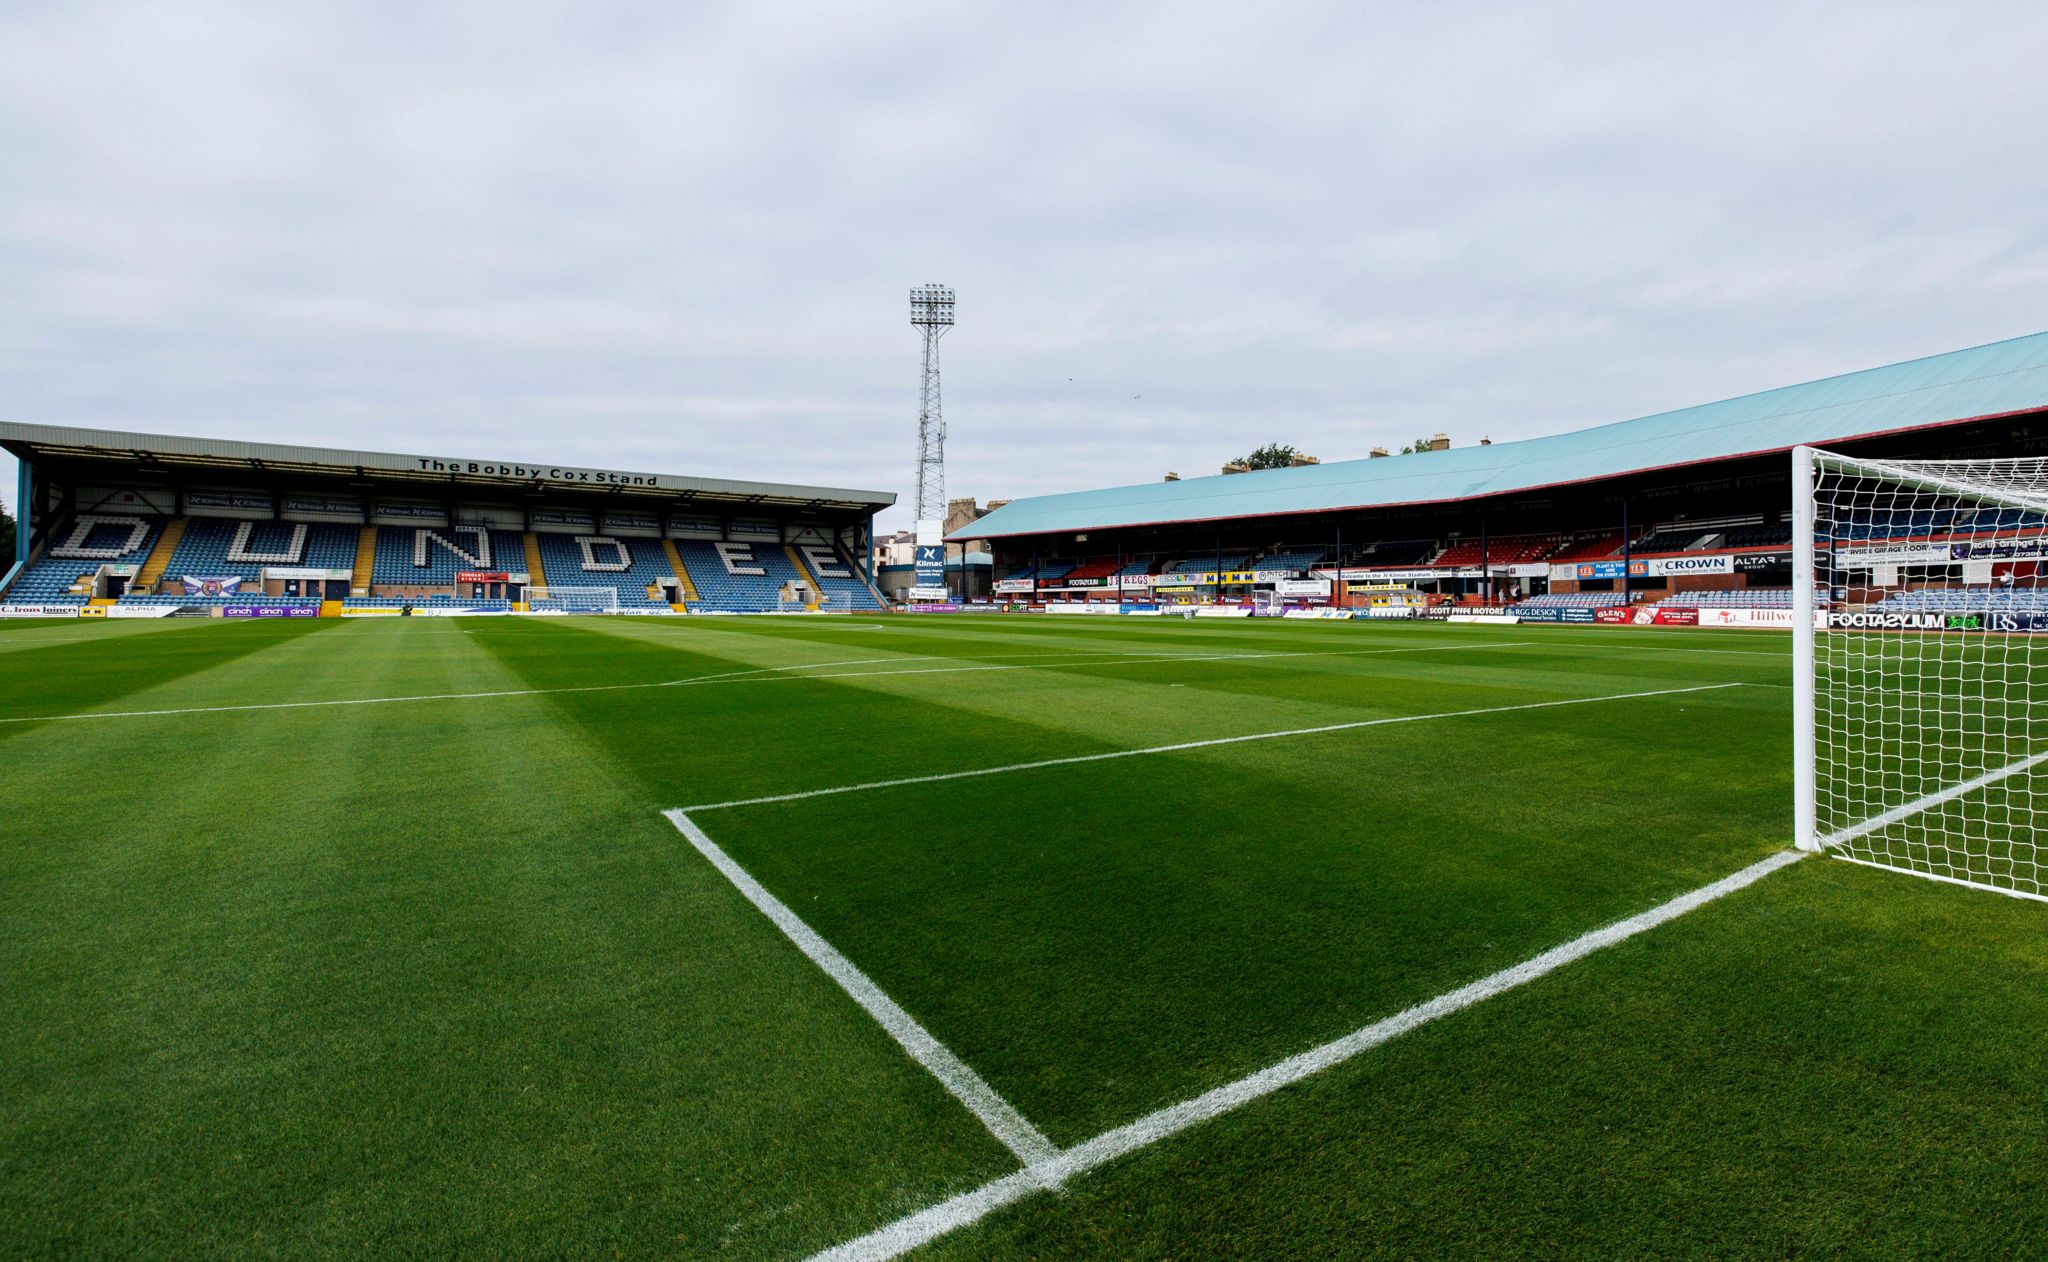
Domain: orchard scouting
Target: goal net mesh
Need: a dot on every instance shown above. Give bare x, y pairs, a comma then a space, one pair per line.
572, 599
1926, 755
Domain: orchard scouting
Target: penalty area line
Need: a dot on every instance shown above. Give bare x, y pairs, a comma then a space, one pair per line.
920, 1228
1000, 1117
1202, 744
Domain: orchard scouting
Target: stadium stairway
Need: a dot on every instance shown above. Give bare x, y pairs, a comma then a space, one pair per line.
159, 558
881, 601
536, 573
366, 562
675, 562
804, 572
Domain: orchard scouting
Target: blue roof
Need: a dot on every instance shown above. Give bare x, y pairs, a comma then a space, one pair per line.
1999, 379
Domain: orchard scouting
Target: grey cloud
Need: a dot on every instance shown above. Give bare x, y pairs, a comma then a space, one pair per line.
678, 237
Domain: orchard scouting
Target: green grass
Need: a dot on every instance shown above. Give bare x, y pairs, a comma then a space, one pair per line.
436, 978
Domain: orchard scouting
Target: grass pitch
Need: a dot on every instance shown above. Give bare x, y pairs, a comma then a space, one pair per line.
370, 939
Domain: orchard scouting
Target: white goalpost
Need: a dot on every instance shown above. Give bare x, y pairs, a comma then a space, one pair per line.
1915, 743
555, 599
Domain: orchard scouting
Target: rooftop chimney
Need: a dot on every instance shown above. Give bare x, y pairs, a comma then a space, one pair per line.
1376, 453
1441, 442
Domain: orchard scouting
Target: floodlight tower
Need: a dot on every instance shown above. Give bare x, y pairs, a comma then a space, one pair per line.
931, 312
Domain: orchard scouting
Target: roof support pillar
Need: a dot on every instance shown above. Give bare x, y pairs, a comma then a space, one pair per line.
24, 508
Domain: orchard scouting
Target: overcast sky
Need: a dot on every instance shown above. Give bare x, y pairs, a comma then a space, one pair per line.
678, 237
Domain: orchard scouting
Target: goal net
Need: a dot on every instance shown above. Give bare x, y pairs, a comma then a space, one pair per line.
1915, 746
543, 599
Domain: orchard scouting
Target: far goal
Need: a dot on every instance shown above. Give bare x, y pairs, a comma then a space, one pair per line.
1915, 741
546, 599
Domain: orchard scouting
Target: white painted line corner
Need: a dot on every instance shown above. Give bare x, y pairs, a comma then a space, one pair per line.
916, 1229
1002, 1120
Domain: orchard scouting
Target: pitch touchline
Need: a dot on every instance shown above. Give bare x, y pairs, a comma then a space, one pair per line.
909, 1232
1095, 659
1003, 1121
1201, 744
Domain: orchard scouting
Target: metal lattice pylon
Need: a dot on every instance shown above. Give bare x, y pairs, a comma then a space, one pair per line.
931, 312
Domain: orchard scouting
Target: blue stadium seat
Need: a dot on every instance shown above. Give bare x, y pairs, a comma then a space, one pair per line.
1575, 600
215, 548
478, 603
628, 565
431, 556
1293, 560
737, 577
219, 602
1748, 598
93, 540
838, 579
1968, 600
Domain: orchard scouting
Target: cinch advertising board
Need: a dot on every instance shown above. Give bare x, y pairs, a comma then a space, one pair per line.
270, 611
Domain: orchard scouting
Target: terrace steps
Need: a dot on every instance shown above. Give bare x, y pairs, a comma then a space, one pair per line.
366, 562
675, 561
536, 573
804, 571
159, 558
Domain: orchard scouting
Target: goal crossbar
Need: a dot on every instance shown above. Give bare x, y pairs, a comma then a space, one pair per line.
1921, 477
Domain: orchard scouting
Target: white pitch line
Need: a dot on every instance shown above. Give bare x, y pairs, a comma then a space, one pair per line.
1003, 1121
1095, 659
1201, 744
1919, 804
1172, 657
924, 1226
429, 696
